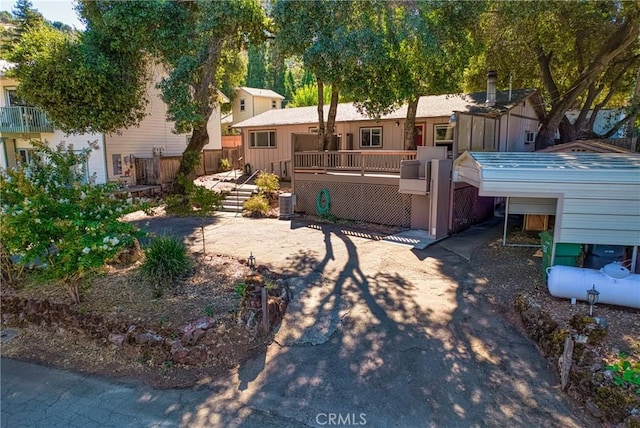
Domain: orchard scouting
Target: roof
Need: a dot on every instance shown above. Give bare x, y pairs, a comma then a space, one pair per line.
595, 196
550, 167
428, 106
265, 93
590, 146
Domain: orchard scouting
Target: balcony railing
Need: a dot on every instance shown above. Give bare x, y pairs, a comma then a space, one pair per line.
21, 120
360, 162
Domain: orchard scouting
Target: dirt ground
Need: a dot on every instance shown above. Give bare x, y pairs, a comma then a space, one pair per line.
119, 293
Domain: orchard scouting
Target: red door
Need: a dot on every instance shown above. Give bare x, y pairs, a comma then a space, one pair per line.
418, 135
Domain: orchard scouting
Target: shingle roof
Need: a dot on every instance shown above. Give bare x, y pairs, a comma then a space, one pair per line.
428, 106
266, 93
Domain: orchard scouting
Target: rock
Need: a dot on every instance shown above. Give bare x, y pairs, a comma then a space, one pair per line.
148, 338
593, 409
210, 337
189, 356
191, 337
203, 323
116, 339
581, 338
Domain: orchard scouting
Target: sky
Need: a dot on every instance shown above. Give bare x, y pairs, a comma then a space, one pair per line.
53, 10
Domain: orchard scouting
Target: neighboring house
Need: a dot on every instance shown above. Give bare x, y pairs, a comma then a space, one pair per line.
457, 121
250, 102
114, 160
604, 121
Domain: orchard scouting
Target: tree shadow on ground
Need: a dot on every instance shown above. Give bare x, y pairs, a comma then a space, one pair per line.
395, 338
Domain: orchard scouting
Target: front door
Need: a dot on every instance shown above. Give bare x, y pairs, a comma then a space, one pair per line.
418, 135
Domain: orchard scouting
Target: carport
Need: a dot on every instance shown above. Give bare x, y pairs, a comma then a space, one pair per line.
595, 197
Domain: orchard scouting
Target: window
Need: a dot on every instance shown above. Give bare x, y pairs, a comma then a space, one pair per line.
371, 137
12, 98
273, 104
241, 104
262, 139
25, 155
117, 164
530, 137
443, 136
313, 130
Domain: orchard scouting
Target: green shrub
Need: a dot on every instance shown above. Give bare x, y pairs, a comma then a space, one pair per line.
178, 205
256, 204
54, 217
267, 182
166, 260
224, 164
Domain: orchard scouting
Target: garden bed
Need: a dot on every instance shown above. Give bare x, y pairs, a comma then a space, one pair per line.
203, 326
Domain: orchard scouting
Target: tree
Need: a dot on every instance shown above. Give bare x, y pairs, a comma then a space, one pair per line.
196, 43
319, 32
289, 86
583, 53
256, 68
81, 83
413, 48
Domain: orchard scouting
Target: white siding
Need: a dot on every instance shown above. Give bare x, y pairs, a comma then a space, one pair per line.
532, 206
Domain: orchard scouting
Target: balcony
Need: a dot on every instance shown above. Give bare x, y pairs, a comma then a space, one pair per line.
23, 120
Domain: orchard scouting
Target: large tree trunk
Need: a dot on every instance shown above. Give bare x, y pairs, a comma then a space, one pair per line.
410, 124
320, 114
612, 47
331, 117
568, 132
190, 159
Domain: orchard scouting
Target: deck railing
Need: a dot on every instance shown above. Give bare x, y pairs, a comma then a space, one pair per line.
354, 161
23, 120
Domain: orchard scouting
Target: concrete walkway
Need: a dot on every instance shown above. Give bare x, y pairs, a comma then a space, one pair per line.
376, 335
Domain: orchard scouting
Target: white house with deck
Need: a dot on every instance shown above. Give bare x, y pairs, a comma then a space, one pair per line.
114, 158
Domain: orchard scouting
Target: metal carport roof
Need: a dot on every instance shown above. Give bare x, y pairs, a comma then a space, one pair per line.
597, 194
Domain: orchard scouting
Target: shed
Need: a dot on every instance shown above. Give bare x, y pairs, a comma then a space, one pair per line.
595, 197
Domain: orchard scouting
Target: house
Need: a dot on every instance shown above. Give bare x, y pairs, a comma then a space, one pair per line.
595, 197
115, 159
362, 171
250, 102
604, 121
457, 121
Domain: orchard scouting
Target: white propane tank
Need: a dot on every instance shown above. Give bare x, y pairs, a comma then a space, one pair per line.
617, 286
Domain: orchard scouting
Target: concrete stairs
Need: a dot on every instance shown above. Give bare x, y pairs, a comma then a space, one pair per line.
233, 201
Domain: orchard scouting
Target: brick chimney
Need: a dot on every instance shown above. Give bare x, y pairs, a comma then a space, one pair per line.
492, 80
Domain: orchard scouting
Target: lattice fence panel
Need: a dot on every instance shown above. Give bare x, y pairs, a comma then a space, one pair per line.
463, 208
360, 202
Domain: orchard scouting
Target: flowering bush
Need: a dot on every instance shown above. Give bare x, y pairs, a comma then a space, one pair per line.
53, 217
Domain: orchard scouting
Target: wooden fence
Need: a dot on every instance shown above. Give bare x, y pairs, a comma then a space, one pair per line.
162, 170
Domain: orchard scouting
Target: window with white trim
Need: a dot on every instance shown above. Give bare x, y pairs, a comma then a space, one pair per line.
273, 104
443, 136
262, 139
242, 104
371, 137
530, 137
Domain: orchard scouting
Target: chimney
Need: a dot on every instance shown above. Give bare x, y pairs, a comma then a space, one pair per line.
492, 79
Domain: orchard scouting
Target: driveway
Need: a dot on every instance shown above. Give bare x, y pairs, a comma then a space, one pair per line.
377, 334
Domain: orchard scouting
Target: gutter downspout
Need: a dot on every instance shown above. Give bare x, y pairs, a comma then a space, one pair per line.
104, 157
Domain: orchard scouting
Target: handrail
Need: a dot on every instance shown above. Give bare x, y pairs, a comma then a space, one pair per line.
358, 161
245, 182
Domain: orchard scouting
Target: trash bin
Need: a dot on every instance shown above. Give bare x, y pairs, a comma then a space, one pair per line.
598, 256
566, 254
